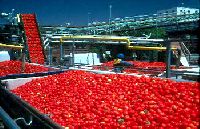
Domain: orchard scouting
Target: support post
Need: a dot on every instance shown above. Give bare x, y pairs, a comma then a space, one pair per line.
61, 53
50, 55
73, 50
168, 60
23, 60
93, 58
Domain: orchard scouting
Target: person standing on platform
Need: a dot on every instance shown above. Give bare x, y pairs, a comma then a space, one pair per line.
119, 63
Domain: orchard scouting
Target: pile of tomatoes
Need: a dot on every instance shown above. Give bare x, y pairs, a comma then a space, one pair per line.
78, 99
139, 64
14, 67
139, 67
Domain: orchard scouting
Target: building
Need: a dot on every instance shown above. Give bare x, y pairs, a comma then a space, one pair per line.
178, 11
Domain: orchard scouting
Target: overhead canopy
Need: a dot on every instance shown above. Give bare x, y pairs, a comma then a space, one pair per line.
116, 39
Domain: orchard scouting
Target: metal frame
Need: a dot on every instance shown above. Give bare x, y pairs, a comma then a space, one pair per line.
116, 39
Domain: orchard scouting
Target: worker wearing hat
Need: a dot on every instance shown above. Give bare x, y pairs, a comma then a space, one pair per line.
119, 64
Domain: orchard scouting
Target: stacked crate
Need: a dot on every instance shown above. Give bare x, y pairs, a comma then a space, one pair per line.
33, 40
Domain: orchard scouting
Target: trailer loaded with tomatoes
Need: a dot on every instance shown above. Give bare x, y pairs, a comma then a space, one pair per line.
81, 99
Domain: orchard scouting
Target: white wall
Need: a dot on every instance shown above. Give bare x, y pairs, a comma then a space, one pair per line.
183, 10
4, 56
178, 11
87, 58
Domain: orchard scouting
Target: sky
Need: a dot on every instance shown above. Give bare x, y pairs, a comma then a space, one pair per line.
79, 12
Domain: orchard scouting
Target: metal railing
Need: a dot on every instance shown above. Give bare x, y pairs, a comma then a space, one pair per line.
185, 51
136, 22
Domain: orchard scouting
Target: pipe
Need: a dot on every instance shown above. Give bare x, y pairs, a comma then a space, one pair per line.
148, 48
93, 37
10, 46
8, 120
24, 121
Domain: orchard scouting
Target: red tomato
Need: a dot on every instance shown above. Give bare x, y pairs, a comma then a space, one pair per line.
79, 99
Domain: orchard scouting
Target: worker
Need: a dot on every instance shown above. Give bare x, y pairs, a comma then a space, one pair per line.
119, 64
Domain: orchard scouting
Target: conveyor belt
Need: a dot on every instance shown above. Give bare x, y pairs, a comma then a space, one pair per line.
33, 40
